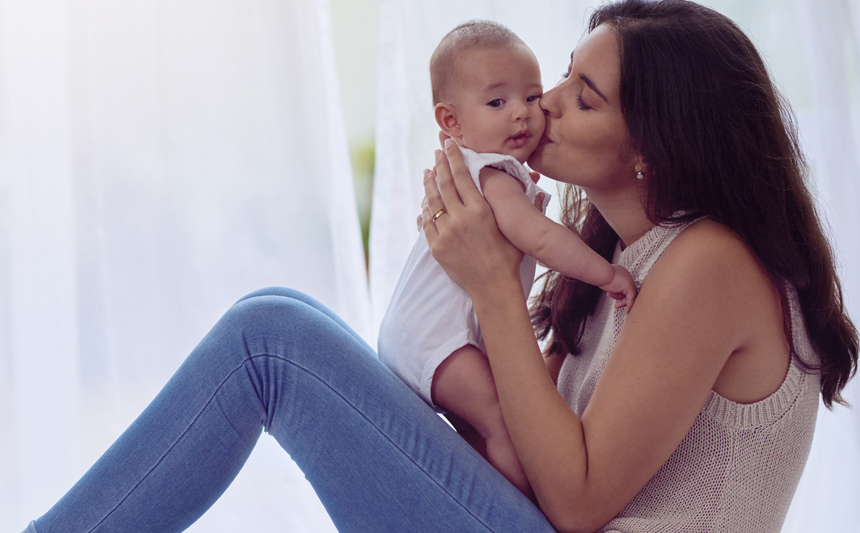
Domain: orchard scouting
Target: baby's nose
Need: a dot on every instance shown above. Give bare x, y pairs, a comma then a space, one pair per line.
521, 111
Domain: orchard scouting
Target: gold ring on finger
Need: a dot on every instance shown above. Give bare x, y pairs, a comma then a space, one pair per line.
438, 214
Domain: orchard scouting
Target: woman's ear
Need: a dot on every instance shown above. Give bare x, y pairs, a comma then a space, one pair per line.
446, 118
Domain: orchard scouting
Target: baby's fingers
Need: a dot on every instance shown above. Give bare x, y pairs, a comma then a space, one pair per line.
621, 301
631, 297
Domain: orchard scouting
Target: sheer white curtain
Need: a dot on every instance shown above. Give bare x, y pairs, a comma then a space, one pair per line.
830, 33
159, 160
812, 49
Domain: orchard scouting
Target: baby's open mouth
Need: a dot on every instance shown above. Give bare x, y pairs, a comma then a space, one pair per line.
520, 139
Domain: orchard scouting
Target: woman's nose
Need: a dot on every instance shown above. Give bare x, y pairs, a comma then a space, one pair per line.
549, 103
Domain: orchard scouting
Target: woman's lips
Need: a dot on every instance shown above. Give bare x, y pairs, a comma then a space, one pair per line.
544, 140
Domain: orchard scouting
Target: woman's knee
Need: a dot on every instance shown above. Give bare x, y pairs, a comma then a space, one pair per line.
301, 298
275, 319
277, 291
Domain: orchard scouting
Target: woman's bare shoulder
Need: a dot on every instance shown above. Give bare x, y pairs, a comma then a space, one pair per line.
710, 252
711, 273
712, 282
707, 273
706, 235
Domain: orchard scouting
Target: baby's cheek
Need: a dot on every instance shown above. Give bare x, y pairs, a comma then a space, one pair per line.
479, 143
540, 122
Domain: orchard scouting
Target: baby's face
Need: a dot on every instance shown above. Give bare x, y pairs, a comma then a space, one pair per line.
497, 101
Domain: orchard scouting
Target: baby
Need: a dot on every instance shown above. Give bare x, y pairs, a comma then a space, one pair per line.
486, 89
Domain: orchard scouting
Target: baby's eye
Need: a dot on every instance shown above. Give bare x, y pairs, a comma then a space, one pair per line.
533, 98
496, 103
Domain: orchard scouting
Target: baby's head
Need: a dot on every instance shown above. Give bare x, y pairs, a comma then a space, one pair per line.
486, 89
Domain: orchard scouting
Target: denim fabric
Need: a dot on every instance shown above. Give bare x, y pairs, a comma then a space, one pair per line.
377, 456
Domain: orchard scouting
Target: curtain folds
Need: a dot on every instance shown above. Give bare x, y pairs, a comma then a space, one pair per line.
830, 32
159, 160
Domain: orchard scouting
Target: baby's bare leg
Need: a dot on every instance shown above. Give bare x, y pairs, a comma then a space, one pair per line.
464, 386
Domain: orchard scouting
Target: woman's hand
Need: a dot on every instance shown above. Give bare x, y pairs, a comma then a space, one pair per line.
443, 137
461, 230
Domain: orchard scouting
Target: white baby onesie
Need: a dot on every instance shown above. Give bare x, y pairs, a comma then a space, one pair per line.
429, 316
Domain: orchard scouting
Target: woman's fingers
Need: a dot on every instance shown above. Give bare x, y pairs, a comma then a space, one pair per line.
443, 184
431, 232
464, 237
462, 178
455, 183
442, 138
433, 206
432, 199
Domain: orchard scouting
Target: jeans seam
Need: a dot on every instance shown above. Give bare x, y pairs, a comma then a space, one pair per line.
320, 380
173, 445
381, 432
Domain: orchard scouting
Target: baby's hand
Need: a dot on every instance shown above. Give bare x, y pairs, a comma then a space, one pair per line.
621, 288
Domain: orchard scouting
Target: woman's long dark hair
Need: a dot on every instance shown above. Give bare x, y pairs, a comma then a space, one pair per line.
718, 141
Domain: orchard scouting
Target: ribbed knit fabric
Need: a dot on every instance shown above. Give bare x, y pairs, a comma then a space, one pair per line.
739, 465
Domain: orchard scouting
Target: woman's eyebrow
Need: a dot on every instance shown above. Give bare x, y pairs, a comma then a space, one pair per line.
592, 86
588, 81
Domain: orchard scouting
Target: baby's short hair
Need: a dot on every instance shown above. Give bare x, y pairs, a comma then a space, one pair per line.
471, 35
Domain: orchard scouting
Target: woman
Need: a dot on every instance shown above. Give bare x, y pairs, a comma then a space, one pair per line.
693, 413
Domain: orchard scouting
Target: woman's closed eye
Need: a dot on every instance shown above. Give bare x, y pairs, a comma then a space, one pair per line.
580, 103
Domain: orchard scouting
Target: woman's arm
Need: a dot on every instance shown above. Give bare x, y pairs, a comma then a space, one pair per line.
553, 364
691, 315
667, 359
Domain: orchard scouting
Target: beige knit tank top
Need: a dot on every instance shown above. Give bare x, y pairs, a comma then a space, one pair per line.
739, 465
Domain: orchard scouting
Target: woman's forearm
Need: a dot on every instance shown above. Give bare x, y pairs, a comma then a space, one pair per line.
547, 435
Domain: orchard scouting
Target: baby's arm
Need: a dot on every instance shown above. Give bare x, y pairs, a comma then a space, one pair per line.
549, 242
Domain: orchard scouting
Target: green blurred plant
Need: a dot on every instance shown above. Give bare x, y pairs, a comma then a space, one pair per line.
363, 159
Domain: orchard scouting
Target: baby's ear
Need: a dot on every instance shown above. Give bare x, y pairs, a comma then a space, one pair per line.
446, 118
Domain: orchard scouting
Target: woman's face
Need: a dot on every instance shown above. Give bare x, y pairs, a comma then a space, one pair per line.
586, 141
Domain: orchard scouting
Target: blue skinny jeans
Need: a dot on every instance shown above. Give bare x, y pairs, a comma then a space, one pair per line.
377, 456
